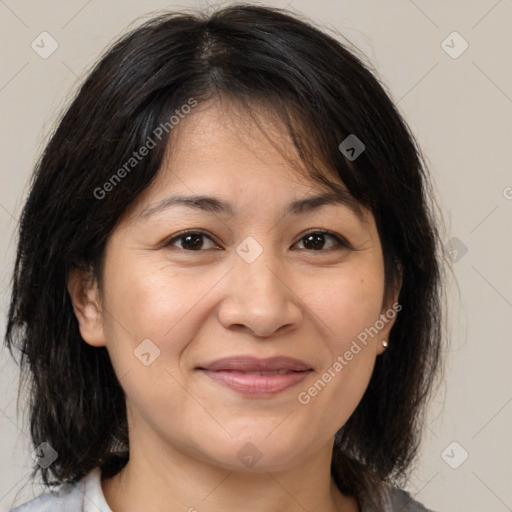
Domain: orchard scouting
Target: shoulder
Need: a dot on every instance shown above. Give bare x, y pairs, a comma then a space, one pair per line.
67, 498
398, 499
83, 496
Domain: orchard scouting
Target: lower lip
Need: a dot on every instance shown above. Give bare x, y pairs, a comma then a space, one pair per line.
254, 384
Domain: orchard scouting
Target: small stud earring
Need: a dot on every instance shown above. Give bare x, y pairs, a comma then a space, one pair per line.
384, 343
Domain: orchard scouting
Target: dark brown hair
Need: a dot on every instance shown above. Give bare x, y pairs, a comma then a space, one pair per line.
323, 92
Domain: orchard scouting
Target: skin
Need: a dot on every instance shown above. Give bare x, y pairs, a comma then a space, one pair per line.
200, 304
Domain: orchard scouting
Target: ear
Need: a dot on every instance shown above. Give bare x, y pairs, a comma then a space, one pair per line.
389, 311
84, 292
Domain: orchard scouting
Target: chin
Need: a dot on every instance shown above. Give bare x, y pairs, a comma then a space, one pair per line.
256, 452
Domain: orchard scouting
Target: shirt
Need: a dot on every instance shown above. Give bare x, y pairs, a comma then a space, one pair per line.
86, 495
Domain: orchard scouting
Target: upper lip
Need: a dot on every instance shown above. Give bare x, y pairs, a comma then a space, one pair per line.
254, 364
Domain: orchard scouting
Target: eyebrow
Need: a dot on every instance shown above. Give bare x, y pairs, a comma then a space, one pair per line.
218, 206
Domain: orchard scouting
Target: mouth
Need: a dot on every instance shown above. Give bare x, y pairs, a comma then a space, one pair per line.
257, 377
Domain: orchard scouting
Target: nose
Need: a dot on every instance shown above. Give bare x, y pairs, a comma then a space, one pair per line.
259, 299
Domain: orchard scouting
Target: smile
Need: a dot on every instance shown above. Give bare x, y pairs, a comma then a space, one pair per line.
255, 383
257, 377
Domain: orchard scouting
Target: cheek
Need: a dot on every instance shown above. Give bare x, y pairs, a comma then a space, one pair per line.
147, 300
348, 304
139, 298
151, 314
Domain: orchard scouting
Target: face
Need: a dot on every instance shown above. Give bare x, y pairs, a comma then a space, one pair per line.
253, 336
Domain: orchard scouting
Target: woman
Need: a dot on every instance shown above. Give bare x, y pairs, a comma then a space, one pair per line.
227, 285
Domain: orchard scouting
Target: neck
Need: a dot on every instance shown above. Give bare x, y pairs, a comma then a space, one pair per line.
160, 478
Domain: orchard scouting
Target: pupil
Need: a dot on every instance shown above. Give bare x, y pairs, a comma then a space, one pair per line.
316, 239
195, 244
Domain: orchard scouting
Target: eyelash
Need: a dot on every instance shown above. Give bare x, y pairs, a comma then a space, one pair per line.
340, 241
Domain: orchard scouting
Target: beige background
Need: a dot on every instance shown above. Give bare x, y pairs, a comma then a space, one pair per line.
460, 110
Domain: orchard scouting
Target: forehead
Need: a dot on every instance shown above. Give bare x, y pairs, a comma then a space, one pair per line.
222, 134
238, 156
225, 144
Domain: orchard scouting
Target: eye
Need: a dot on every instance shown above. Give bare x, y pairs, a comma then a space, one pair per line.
190, 240
315, 241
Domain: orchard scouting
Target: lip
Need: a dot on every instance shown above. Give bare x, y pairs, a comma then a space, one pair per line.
257, 377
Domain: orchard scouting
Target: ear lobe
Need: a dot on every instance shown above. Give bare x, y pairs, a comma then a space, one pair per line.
84, 293
390, 311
